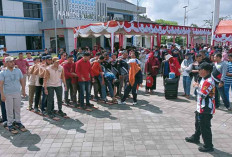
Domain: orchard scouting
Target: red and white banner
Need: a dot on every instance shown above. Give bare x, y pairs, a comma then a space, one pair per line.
135, 28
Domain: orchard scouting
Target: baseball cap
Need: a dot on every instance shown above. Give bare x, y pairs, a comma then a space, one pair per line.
48, 57
55, 59
9, 58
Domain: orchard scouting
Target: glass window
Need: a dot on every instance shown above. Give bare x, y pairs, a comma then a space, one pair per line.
34, 42
1, 12
31, 10
2, 41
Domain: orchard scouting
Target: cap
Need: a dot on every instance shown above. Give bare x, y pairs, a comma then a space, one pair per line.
48, 57
167, 57
43, 58
188, 54
9, 58
55, 59
206, 66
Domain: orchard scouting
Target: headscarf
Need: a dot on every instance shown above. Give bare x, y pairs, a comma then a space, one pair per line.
134, 69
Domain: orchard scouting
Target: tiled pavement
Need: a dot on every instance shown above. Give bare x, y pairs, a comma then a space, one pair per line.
155, 127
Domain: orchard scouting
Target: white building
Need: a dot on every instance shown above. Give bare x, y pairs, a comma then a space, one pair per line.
29, 25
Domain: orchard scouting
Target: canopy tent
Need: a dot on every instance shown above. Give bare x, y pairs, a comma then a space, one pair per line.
223, 32
125, 28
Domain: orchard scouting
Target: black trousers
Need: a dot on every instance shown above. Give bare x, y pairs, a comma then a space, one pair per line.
203, 127
133, 89
38, 91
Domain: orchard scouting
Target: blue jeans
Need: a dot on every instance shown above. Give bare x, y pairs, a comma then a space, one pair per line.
110, 87
187, 84
221, 91
84, 87
44, 100
103, 88
227, 90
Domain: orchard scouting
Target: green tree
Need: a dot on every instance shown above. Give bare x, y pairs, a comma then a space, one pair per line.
193, 25
165, 22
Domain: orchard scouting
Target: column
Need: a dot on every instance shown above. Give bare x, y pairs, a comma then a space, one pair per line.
112, 42
152, 42
69, 40
215, 17
158, 40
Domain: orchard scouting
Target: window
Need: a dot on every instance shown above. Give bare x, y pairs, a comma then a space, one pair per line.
2, 41
31, 10
34, 42
1, 12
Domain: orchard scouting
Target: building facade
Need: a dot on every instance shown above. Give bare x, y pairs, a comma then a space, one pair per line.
32, 25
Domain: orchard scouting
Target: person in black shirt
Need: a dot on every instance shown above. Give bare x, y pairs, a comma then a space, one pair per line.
204, 58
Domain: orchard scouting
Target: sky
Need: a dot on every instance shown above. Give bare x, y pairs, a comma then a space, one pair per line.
172, 10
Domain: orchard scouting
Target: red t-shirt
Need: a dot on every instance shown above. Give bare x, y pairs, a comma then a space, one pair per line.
22, 65
83, 70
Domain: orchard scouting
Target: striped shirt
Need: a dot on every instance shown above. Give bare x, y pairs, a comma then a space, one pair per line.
30, 61
228, 79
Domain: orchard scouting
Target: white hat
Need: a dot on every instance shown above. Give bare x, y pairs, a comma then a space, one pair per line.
167, 57
9, 58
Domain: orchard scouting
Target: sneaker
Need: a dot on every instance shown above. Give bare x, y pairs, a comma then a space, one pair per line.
61, 113
83, 107
192, 140
229, 109
205, 149
134, 103
121, 103
51, 115
44, 113
36, 110
30, 108
4, 124
89, 105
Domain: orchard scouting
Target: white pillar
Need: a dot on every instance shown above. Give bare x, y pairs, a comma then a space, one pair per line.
69, 40
215, 17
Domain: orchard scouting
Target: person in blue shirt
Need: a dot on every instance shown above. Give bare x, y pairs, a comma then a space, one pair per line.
11, 82
228, 78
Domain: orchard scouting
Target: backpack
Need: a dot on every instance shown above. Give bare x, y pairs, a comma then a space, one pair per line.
149, 82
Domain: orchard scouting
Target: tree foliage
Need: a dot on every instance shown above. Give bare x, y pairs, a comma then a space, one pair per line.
165, 22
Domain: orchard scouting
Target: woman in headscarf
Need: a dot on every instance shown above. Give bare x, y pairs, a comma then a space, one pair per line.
142, 58
152, 67
135, 79
187, 78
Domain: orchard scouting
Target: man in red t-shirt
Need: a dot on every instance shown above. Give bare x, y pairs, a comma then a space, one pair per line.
84, 74
68, 74
63, 58
23, 66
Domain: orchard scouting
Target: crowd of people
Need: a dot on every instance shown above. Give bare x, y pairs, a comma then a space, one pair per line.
112, 76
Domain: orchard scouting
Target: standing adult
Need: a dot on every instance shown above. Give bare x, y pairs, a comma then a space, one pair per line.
68, 77
135, 79
29, 59
187, 77
84, 74
123, 68
11, 82
23, 66
52, 83
228, 78
219, 74
152, 67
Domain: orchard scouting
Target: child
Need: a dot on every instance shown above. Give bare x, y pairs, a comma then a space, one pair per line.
149, 82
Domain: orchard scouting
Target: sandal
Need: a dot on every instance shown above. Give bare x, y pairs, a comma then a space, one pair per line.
12, 129
20, 127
